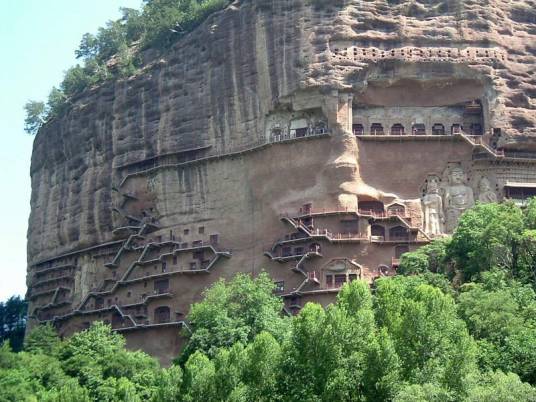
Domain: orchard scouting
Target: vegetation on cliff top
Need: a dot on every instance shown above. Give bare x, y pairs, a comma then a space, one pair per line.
115, 50
459, 326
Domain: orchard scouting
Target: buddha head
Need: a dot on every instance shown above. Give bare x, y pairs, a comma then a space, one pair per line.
457, 176
484, 185
432, 186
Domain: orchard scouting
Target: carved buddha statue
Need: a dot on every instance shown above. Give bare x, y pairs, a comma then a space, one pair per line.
433, 209
458, 198
485, 194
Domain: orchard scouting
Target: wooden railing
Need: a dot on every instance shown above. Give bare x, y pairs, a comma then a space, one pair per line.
157, 163
312, 276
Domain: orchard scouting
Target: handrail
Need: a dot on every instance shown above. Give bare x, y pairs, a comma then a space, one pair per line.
124, 279
359, 211
41, 282
33, 295
319, 211
519, 154
323, 232
73, 253
248, 147
478, 140
475, 140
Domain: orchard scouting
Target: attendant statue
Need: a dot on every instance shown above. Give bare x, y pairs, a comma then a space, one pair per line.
458, 198
485, 194
433, 209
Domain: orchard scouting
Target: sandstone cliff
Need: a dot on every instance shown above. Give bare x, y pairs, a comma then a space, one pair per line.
315, 140
213, 90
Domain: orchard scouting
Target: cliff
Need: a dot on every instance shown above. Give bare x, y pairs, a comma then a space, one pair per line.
216, 86
260, 111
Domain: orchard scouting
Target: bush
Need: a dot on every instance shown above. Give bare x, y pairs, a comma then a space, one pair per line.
234, 312
429, 258
406, 341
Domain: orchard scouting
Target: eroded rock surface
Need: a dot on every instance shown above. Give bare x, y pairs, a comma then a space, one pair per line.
279, 135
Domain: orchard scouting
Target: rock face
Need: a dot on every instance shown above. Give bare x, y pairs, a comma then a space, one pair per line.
317, 141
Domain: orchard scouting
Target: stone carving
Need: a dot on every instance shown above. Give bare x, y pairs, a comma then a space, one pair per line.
283, 125
452, 54
486, 194
338, 266
433, 209
458, 198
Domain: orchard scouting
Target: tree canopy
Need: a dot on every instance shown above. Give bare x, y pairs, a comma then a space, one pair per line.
13, 321
489, 236
450, 327
234, 312
408, 340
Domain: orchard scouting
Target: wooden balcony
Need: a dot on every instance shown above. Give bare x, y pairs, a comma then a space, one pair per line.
312, 277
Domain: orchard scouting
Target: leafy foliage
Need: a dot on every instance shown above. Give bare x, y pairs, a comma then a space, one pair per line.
501, 315
488, 236
43, 339
495, 248
35, 116
500, 387
234, 312
115, 50
429, 258
93, 365
411, 341
407, 341
13, 321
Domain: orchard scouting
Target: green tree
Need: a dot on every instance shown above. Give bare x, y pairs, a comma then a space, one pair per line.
382, 373
29, 377
327, 350
168, 385
133, 24
35, 116
414, 262
56, 103
97, 357
76, 79
166, 21
113, 52
530, 214
432, 342
43, 339
88, 48
501, 315
110, 39
262, 359
228, 364
488, 235
199, 374
427, 392
429, 258
13, 321
71, 391
527, 257
234, 311
308, 356
500, 387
